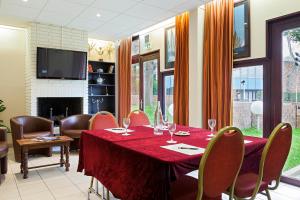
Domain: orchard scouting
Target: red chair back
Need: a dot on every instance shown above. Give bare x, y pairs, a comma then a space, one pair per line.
276, 152
103, 120
138, 118
221, 162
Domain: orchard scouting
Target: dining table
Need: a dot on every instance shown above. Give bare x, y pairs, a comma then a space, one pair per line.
142, 166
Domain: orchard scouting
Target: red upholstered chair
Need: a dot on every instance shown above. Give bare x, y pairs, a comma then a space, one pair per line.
103, 120
272, 162
138, 118
218, 169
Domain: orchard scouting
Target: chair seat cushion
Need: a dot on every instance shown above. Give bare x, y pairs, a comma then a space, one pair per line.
245, 185
184, 188
36, 134
3, 149
72, 133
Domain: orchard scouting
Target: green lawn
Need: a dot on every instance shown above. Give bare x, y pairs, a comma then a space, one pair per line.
294, 158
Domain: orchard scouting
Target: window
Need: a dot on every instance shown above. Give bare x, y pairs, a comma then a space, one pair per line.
135, 86
247, 85
241, 28
168, 91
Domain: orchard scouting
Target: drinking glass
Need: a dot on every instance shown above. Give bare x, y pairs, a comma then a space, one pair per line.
165, 121
172, 129
126, 122
212, 124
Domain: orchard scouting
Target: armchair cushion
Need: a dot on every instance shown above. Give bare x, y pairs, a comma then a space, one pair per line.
72, 133
3, 149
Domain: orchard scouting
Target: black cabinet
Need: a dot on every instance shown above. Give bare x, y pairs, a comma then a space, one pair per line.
101, 77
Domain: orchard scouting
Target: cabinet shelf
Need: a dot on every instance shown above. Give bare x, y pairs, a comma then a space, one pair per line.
110, 85
99, 100
102, 73
102, 95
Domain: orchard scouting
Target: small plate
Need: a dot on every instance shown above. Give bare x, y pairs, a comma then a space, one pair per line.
182, 133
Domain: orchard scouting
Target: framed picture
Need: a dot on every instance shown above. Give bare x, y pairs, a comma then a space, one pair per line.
170, 47
241, 29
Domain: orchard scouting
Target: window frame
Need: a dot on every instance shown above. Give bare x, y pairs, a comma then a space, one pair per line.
247, 52
163, 75
266, 88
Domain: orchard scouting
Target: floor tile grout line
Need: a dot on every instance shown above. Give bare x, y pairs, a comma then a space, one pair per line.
15, 181
75, 184
46, 185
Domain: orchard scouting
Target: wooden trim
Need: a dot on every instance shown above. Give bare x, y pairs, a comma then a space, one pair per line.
247, 53
163, 75
250, 62
275, 27
266, 88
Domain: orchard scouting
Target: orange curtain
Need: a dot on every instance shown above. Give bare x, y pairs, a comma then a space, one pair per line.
217, 62
124, 79
181, 72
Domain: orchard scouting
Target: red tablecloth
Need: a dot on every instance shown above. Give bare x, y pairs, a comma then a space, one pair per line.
136, 167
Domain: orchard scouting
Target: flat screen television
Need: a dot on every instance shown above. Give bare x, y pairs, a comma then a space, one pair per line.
61, 64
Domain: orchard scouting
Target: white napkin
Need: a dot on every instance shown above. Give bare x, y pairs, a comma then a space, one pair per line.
245, 141
178, 148
164, 128
118, 130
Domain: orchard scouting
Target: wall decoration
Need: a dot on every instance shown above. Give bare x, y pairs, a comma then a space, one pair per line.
241, 34
170, 47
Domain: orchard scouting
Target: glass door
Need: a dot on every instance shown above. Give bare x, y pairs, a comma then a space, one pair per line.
150, 90
290, 111
284, 53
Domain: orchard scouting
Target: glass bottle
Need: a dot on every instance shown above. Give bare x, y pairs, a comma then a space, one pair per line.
158, 120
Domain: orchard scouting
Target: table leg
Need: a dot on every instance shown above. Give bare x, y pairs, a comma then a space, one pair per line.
67, 151
25, 163
62, 156
21, 165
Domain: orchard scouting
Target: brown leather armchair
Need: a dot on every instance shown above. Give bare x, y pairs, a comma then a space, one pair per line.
30, 127
3, 151
73, 126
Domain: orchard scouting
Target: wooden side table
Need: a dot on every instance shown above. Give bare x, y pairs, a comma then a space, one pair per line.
28, 144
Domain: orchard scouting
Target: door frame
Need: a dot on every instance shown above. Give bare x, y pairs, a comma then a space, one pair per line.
275, 27
266, 88
146, 57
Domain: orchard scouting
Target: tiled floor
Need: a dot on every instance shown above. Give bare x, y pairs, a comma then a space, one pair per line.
54, 183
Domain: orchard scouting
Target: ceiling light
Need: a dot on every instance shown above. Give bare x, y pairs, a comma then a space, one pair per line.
24, 0
98, 15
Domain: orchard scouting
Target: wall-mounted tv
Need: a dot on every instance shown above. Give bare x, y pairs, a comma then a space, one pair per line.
61, 64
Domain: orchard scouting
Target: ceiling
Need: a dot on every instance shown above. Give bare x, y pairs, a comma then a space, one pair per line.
119, 18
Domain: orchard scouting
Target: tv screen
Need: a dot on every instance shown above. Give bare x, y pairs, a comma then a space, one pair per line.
61, 64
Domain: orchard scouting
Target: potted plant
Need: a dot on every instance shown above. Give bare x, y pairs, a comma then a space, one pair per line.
2, 108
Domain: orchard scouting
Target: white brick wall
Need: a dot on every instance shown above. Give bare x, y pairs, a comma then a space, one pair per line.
42, 35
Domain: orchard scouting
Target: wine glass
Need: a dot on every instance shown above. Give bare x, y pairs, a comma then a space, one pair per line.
211, 124
172, 129
165, 121
126, 122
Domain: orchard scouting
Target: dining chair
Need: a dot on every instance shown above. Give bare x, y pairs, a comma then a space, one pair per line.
138, 118
101, 120
272, 161
218, 169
